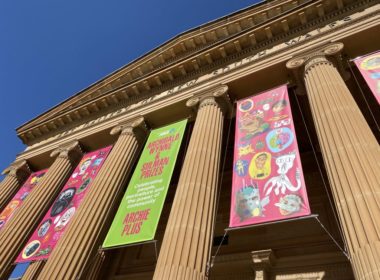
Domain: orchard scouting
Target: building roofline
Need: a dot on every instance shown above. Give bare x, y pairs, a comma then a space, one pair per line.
147, 53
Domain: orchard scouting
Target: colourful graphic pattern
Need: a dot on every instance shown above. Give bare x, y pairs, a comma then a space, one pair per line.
268, 183
369, 67
20, 196
53, 225
137, 218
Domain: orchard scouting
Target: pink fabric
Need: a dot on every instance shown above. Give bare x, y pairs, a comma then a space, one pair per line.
268, 183
20, 196
53, 225
369, 66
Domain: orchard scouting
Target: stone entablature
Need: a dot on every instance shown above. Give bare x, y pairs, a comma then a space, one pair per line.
249, 64
250, 33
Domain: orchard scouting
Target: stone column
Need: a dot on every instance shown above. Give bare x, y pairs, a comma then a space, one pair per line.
16, 232
77, 248
17, 173
351, 155
186, 245
33, 270
95, 268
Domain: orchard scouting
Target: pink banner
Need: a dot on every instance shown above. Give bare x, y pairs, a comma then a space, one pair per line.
53, 225
369, 66
20, 196
268, 183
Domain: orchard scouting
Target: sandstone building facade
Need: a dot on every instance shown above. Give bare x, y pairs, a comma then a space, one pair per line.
198, 75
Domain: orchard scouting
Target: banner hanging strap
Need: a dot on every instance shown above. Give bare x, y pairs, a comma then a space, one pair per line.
320, 172
344, 251
211, 260
210, 263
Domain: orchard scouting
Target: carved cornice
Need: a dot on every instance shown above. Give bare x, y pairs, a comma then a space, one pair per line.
217, 96
115, 97
19, 169
250, 63
136, 128
71, 151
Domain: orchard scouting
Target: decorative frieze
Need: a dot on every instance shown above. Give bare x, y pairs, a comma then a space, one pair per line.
250, 55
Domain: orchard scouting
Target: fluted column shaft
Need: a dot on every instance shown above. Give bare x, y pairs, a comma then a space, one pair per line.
186, 245
16, 232
352, 158
33, 270
77, 248
17, 173
95, 268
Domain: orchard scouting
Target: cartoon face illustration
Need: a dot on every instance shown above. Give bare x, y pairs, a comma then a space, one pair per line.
43, 229
261, 160
285, 163
252, 125
63, 201
279, 139
278, 106
260, 166
289, 204
282, 182
62, 222
248, 203
31, 249
84, 165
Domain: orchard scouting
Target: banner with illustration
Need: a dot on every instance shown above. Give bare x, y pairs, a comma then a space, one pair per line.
268, 183
139, 212
20, 196
53, 225
369, 67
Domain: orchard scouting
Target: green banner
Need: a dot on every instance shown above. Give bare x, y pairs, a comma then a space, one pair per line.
137, 218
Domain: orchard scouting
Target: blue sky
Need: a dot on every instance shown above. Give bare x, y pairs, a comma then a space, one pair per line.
50, 50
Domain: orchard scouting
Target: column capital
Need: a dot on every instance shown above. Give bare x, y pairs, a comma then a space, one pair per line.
71, 150
315, 57
18, 169
216, 96
136, 128
302, 63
